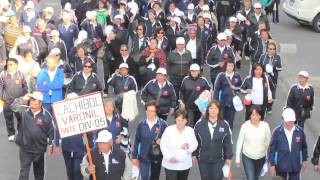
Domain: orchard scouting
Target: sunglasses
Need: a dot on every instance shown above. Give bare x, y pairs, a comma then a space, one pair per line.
160, 32
89, 67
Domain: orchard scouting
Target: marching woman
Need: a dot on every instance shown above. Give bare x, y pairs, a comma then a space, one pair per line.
253, 142
214, 143
151, 59
73, 149
177, 144
192, 86
271, 62
225, 88
147, 143
258, 88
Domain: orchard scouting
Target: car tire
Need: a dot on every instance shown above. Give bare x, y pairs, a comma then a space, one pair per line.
316, 23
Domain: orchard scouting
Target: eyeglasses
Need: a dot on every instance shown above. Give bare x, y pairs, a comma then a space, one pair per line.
124, 50
160, 32
272, 49
89, 67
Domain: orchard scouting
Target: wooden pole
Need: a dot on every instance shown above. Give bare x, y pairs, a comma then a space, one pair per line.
89, 154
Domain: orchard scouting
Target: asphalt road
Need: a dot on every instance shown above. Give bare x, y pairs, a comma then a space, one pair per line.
291, 37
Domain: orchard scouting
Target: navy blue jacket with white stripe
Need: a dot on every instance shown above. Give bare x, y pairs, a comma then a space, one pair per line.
279, 154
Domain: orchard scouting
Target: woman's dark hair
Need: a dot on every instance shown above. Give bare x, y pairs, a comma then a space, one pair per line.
81, 47
152, 103
157, 30
217, 104
257, 109
228, 61
181, 112
254, 67
143, 27
88, 60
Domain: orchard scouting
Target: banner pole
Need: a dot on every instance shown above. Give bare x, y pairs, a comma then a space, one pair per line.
89, 154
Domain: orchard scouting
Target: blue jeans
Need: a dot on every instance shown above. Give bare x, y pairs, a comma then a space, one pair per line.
150, 171
252, 167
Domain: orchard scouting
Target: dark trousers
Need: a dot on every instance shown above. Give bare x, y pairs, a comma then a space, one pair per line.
228, 115
213, 74
176, 82
177, 175
9, 117
72, 160
300, 122
275, 14
289, 175
26, 159
249, 109
252, 167
193, 117
106, 68
150, 171
211, 171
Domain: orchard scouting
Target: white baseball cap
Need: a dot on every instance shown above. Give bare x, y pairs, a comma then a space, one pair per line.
222, 36
194, 67
257, 5
303, 73
118, 16
36, 95
49, 9
191, 6
55, 51
67, 6
289, 115
30, 5
123, 2
162, 71
124, 65
54, 33
180, 40
237, 103
104, 136
205, 7
233, 19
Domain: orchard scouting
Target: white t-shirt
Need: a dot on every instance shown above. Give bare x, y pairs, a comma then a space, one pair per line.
253, 141
257, 91
171, 142
289, 134
192, 47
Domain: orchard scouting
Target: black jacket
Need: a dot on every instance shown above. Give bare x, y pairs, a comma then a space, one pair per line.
275, 61
179, 64
316, 153
257, 49
248, 83
226, 7
133, 66
122, 84
12, 87
166, 97
81, 86
215, 56
117, 159
200, 51
190, 90
61, 46
216, 149
300, 99
34, 130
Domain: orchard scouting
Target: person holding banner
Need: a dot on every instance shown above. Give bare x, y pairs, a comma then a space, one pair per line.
108, 162
147, 143
73, 148
35, 136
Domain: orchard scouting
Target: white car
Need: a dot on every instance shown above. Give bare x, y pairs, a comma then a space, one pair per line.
306, 12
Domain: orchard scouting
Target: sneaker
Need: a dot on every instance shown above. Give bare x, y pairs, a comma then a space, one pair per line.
11, 138
269, 112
